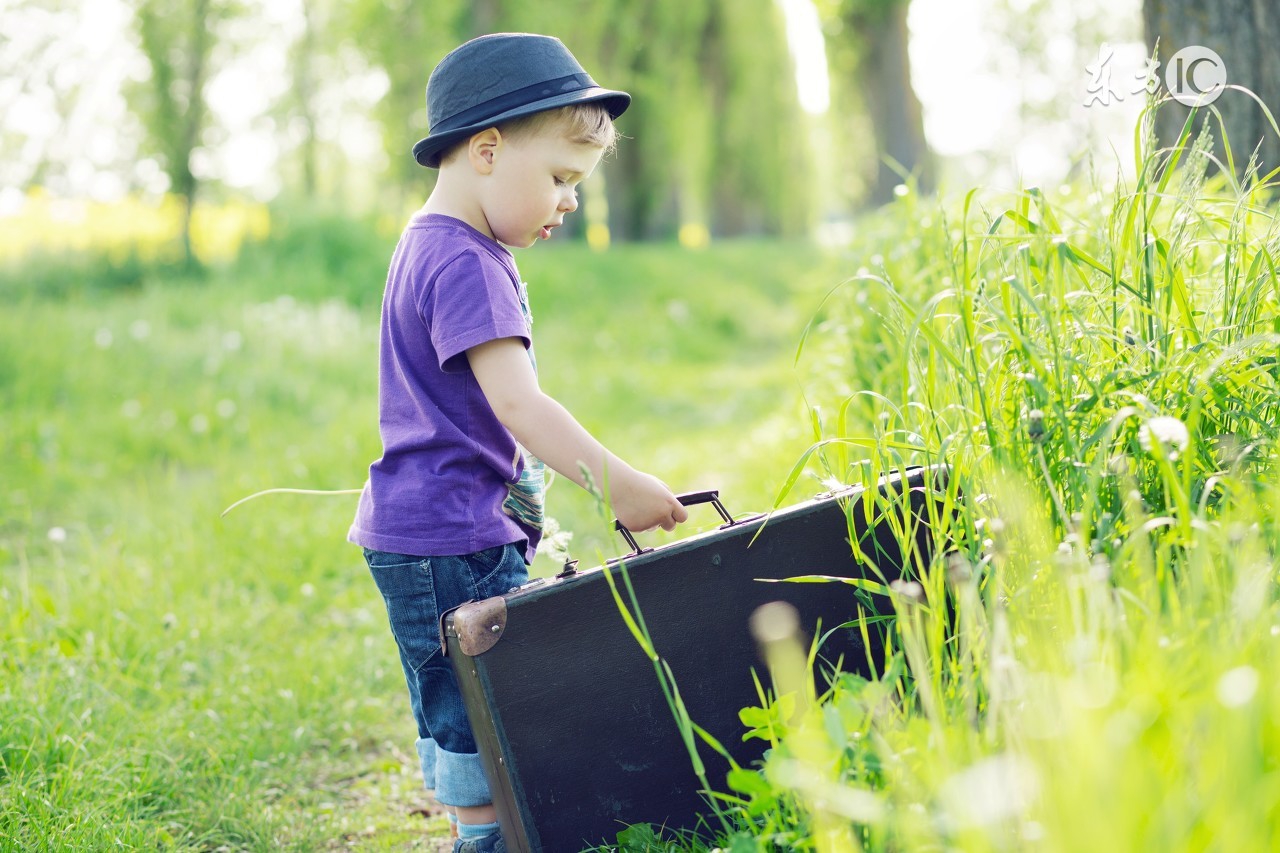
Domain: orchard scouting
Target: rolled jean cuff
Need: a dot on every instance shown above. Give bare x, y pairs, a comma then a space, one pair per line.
460, 779
427, 755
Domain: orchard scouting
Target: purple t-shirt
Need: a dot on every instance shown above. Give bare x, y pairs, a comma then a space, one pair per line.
451, 479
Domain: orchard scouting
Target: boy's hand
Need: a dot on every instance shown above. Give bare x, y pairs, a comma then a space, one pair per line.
643, 502
548, 431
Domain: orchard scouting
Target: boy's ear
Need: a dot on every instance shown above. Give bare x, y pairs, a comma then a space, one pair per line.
482, 149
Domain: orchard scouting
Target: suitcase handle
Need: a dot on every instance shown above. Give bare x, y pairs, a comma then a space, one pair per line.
711, 496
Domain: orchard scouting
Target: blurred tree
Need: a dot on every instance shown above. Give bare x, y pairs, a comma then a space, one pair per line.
761, 164
660, 179
303, 60
871, 77
177, 38
714, 139
1245, 34
713, 135
406, 38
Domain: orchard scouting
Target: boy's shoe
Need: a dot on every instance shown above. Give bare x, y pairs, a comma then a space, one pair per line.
491, 843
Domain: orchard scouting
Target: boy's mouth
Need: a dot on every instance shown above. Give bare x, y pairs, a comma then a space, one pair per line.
546, 232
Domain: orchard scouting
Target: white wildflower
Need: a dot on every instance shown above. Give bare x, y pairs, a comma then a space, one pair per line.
1164, 434
1237, 686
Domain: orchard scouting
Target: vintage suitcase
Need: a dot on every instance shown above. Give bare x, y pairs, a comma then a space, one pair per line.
573, 727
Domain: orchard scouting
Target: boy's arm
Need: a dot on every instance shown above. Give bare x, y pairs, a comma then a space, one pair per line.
547, 430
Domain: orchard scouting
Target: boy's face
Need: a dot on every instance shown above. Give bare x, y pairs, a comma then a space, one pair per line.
533, 185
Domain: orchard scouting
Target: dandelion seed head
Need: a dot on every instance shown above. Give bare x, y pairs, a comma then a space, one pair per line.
57, 534
131, 408
140, 330
959, 570
1237, 686
1035, 425
990, 791
909, 590
103, 338
1164, 434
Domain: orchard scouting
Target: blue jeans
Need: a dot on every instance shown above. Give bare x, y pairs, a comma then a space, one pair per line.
416, 591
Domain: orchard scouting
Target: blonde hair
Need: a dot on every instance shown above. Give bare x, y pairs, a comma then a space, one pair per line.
582, 124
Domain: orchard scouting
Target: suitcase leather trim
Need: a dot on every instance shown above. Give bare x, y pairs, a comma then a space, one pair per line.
478, 625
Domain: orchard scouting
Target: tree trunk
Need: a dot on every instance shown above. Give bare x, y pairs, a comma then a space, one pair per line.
1245, 34
884, 76
194, 120
304, 91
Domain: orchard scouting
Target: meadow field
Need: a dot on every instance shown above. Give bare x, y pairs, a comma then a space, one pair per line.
1097, 364
175, 678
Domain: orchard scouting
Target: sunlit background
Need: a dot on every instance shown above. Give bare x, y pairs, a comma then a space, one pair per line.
838, 237
1001, 85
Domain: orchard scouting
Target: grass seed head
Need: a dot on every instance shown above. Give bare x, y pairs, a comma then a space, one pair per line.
1035, 426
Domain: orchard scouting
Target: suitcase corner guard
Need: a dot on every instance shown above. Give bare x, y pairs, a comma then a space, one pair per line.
478, 625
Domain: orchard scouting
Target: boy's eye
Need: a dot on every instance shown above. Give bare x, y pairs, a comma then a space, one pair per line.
559, 182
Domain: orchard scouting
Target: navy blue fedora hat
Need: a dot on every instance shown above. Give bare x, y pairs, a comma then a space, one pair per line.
500, 77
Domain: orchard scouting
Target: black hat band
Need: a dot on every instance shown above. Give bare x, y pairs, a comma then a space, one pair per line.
511, 100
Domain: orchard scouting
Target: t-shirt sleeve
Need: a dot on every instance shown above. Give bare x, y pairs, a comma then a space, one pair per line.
472, 300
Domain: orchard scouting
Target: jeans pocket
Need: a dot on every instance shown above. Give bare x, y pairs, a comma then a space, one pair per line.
496, 571
406, 587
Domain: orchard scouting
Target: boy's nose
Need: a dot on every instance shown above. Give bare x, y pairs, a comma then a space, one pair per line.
569, 203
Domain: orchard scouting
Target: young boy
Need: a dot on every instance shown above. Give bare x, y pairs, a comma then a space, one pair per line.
452, 510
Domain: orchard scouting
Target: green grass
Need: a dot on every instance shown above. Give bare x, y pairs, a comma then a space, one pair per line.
1094, 667
1095, 664
173, 679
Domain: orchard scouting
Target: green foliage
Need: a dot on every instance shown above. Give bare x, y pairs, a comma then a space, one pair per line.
1098, 368
178, 39
713, 138
44, 275
170, 679
159, 684
1100, 375
314, 253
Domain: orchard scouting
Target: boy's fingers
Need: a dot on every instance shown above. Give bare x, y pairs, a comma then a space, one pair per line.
679, 514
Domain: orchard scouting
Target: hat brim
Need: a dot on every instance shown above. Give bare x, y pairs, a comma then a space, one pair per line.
429, 150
